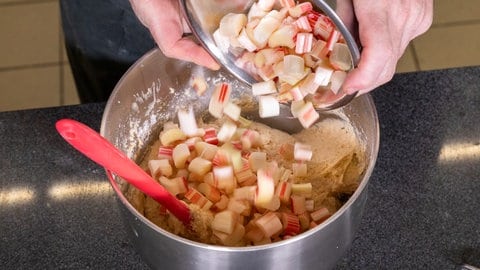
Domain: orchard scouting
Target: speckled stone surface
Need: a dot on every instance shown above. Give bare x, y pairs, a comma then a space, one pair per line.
422, 210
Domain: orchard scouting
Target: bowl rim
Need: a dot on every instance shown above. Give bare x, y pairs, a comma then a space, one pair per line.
360, 189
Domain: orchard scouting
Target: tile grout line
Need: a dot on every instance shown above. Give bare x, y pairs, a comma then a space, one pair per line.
415, 56
18, 3
62, 66
31, 66
455, 24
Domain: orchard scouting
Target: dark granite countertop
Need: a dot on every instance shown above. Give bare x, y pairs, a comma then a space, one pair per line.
58, 211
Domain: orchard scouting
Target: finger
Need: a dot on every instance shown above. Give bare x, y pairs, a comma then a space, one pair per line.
167, 31
376, 67
186, 49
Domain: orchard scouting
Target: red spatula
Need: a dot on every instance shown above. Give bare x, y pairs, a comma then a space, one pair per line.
101, 151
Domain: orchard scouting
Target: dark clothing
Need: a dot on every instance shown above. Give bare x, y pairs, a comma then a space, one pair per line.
103, 38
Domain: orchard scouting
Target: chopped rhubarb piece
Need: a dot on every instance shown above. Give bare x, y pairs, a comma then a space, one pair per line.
318, 51
224, 178
320, 215
296, 107
210, 136
232, 239
232, 23
293, 69
307, 115
284, 97
222, 42
266, 5
245, 177
190, 142
220, 97
246, 42
340, 57
175, 186
297, 94
285, 175
208, 178
160, 167
170, 136
265, 187
182, 173
200, 166
302, 152
222, 203
298, 204
234, 155
232, 110
300, 9
273, 205
194, 177
310, 60
255, 12
266, 72
255, 234
273, 170
283, 37
221, 159
336, 81
268, 56
224, 221
237, 144
244, 122
268, 106
246, 193
195, 197
310, 205
303, 43
332, 39
226, 132
206, 150
309, 85
299, 169
264, 88
212, 193
265, 28
291, 224
199, 85
250, 138
165, 152
303, 24
257, 160
283, 191
287, 3
304, 219
322, 25
270, 224
302, 189
187, 121
180, 155
239, 206
323, 75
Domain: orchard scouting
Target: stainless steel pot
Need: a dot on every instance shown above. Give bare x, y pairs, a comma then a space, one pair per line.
148, 95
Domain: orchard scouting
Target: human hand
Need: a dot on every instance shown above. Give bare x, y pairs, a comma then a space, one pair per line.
166, 24
385, 30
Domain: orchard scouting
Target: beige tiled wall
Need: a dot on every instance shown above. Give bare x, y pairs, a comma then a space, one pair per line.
34, 71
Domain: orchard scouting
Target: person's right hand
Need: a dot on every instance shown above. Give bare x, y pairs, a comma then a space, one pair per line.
385, 30
166, 24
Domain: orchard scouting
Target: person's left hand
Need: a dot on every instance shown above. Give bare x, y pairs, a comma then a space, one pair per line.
166, 24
